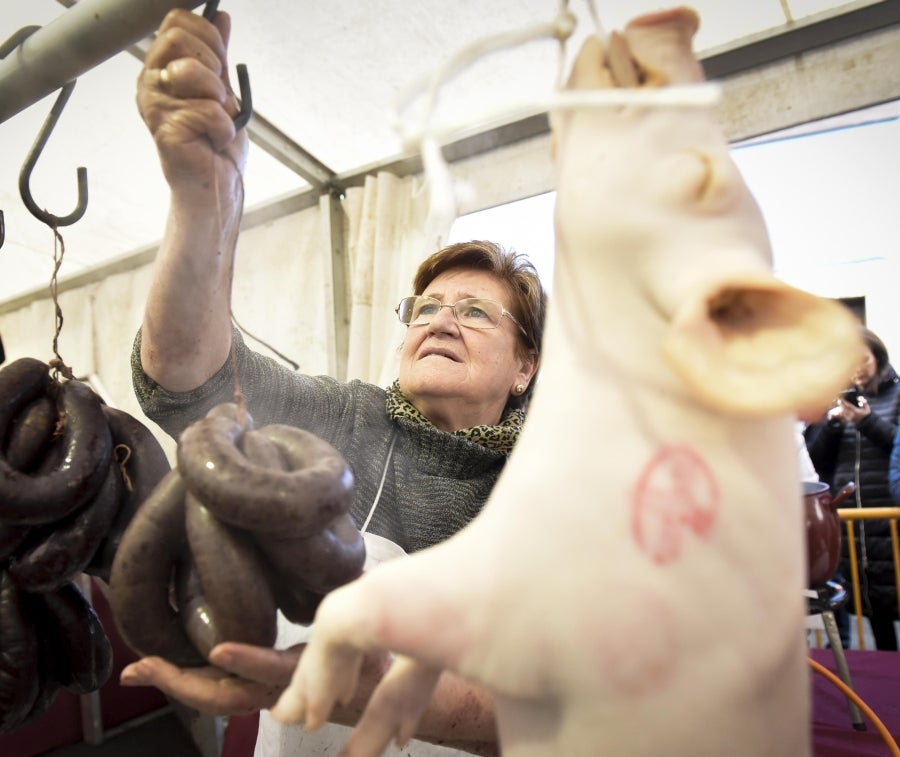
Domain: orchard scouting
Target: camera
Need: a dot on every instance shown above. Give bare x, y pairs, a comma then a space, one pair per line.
852, 396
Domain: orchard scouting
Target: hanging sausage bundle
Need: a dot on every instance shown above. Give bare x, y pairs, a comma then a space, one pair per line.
249, 522
73, 471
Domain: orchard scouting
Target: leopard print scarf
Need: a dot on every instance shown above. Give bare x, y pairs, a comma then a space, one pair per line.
501, 438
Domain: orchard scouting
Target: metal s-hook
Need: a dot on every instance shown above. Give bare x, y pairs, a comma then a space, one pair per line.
243, 116
36, 149
2, 231
210, 10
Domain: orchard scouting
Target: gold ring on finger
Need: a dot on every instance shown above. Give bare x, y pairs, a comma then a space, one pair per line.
165, 81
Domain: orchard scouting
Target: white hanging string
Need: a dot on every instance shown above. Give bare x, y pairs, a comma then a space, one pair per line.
561, 27
446, 196
387, 461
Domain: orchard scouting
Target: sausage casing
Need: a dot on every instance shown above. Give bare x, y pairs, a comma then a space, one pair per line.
87, 449
140, 580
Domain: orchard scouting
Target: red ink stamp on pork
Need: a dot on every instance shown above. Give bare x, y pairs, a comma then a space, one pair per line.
676, 493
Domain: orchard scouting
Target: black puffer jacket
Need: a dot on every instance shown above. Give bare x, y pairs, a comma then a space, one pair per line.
846, 452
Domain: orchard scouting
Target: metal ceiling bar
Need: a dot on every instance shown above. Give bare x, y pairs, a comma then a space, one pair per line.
281, 147
87, 34
340, 285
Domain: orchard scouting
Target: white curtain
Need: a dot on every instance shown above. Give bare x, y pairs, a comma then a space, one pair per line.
388, 235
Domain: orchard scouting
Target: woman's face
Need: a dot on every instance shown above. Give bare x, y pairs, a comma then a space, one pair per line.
866, 371
460, 377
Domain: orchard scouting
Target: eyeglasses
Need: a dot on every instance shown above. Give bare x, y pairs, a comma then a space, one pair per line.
472, 312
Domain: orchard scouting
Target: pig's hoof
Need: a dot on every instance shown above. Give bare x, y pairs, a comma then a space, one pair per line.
395, 707
327, 674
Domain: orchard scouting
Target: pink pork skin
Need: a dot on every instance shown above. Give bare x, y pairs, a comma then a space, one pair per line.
633, 585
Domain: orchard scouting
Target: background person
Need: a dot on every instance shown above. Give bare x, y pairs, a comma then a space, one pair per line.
853, 443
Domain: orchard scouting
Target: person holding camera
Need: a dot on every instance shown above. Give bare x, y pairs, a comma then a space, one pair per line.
853, 442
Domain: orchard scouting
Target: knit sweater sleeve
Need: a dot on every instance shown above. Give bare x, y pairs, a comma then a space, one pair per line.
273, 393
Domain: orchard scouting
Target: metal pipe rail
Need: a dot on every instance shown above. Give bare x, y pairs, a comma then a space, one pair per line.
85, 35
851, 514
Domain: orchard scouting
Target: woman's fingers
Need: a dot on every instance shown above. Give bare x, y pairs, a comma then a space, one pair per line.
272, 667
207, 689
189, 79
183, 34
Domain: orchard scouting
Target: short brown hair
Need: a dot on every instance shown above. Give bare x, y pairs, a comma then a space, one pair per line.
882, 360
515, 271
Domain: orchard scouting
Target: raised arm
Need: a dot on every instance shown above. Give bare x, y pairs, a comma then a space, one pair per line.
185, 99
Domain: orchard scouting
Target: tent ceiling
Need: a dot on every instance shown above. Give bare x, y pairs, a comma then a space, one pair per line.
324, 76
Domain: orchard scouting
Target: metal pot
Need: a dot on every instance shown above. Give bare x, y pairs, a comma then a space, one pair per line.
823, 529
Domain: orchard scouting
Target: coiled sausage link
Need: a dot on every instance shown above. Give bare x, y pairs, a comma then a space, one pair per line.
316, 488
141, 576
87, 449
239, 600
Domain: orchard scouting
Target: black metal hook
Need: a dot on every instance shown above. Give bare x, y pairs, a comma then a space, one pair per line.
243, 116
28, 167
2, 229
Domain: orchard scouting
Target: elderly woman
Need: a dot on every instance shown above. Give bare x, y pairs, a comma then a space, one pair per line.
425, 453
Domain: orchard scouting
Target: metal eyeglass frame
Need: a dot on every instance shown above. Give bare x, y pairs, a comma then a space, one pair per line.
503, 311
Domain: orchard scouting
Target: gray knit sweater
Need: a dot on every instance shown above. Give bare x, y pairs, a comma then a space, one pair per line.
435, 482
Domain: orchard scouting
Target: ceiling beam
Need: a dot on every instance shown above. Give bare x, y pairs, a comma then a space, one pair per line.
820, 30
824, 30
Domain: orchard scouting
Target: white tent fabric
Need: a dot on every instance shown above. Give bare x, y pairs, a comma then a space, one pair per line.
387, 241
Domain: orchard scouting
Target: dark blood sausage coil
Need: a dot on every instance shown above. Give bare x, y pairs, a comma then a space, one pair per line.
87, 449
260, 451
49, 660
319, 563
143, 462
21, 382
81, 648
316, 488
323, 561
193, 607
203, 535
239, 601
11, 538
19, 674
140, 578
30, 432
58, 553
296, 602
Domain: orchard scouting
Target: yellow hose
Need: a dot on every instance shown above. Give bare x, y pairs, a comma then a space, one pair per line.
847, 691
